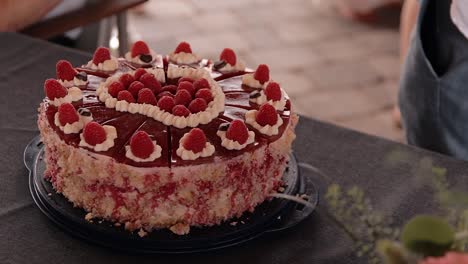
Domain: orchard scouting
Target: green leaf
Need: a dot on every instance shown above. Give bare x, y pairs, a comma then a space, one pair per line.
428, 235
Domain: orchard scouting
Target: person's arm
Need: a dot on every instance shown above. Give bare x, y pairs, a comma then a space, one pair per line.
16, 15
409, 15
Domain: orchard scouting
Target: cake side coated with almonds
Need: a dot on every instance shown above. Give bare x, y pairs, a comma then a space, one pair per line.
166, 144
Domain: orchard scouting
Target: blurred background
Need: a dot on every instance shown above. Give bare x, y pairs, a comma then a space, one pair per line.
337, 59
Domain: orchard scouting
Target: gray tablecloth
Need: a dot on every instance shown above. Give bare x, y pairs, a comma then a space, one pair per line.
27, 236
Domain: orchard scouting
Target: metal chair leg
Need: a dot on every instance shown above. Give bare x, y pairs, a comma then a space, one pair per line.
123, 33
104, 34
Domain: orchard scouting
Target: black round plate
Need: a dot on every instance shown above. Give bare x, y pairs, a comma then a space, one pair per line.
274, 215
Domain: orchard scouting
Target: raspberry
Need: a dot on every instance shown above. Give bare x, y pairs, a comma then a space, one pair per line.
195, 140
262, 73
186, 86
183, 47
183, 97
126, 79
273, 91
65, 70
135, 87
125, 96
138, 73
165, 93
170, 88
150, 81
141, 145
229, 56
197, 105
200, 84
180, 110
146, 96
67, 114
139, 48
185, 79
238, 131
205, 94
100, 55
114, 88
166, 103
266, 115
94, 133
53, 89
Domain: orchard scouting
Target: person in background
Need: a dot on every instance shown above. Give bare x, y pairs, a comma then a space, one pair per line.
433, 96
17, 15
409, 14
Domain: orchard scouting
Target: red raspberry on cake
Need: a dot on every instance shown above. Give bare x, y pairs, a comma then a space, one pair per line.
146, 96
140, 48
169, 88
183, 97
205, 94
229, 56
94, 133
238, 131
180, 110
114, 88
138, 73
53, 89
200, 84
101, 54
185, 79
266, 115
125, 96
135, 87
141, 145
65, 71
166, 103
183, 47
183, 55
195, 140
273, 91
165, 93
126, 79
67, 114
150, 81
197, 105
262, 73
187, 86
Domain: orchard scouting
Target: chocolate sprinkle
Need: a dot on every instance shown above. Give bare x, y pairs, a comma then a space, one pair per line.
82, 76
254, 94
219, 64
146, 58
224, 127
84, 112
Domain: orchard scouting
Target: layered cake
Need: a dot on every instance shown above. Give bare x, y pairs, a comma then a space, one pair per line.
154, 141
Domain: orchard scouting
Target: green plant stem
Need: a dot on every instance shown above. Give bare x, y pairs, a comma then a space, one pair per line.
461, 235
342, 226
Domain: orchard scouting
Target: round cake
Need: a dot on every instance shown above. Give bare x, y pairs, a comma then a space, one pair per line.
150, 141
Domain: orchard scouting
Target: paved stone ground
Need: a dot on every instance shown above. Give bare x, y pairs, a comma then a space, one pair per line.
334, 70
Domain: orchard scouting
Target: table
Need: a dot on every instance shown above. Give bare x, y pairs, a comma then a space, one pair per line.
27, 236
